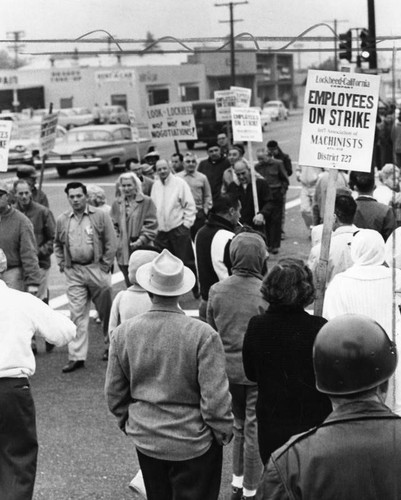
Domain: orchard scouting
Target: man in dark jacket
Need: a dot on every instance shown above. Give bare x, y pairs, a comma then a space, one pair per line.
370, 214
212, 245
213, 167
270, 207
356, 451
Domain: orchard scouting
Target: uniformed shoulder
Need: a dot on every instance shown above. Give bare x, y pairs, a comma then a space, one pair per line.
294, 440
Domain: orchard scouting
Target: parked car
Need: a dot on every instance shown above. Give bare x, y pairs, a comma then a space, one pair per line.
25, 141
265, 118
74, 117
114, 114
207, 127
103, 146
276, 109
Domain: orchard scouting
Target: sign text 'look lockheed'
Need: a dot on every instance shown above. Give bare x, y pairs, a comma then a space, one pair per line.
339, 120
172, 121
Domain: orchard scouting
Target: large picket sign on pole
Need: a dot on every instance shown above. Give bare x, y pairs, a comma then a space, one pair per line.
224, 100
338, 131
172, 121
247, 127
5, 135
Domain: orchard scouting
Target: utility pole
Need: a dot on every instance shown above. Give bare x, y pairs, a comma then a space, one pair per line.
231, 5
372, 34
16, 37
335, 24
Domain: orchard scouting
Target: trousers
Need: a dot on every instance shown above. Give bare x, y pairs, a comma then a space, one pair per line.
18, 440
246, 458
86, 283
194, 479
178, 242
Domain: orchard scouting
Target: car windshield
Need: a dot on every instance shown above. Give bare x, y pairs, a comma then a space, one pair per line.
25, 132
89, 135
272, 105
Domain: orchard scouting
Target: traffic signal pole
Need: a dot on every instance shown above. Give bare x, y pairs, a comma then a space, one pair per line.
372, 34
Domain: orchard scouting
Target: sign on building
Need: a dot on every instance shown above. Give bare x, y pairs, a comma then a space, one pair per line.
114, 75
246, 124
172, 121
48, 130
339, 120
5, 133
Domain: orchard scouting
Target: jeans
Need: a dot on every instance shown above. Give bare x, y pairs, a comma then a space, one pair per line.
246, 458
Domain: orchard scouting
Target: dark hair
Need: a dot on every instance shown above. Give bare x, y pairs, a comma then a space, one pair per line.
289, 283
75, 185
212, 144
224, 202
272, 144
238, 147
180, 156
345, 208
364, 182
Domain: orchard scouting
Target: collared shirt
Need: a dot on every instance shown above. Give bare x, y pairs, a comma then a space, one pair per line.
80, 238
21, 316
200, 189
174, 202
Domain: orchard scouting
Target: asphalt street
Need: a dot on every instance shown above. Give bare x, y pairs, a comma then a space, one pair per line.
83, 454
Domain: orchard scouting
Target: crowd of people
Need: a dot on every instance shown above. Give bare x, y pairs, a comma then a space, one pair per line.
256, 367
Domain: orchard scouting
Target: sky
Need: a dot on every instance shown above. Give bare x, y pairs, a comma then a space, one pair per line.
192, 18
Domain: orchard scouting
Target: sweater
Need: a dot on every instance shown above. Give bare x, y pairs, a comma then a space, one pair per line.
167, 385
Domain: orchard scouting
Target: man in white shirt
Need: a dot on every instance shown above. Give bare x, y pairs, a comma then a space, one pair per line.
175, 211
21, 316
343, 233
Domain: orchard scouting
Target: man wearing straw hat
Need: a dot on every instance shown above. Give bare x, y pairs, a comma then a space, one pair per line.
167, 386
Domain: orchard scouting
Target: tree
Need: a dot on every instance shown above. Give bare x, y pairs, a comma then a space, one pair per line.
149, 40
327, 64
8, 62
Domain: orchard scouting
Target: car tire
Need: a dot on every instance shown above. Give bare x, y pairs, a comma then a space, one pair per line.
62, 171
190, 145
107, 169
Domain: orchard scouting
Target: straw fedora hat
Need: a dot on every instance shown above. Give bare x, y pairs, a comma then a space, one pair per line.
166, 275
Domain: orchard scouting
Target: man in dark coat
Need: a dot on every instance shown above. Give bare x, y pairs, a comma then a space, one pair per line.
213, 167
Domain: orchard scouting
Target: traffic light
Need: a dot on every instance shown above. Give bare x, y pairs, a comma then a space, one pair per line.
366, 44
346, 45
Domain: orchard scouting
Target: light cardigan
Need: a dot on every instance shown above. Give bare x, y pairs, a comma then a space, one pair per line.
174, 202
368, 290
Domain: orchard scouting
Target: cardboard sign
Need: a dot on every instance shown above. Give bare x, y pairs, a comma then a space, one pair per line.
224, 100
246, 124
339, 120
242, 96
172, 121
5, 133
48, 129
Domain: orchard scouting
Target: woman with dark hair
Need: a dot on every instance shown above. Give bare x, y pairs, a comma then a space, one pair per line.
277, 355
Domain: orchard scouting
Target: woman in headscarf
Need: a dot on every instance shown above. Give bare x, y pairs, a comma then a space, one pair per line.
366, 288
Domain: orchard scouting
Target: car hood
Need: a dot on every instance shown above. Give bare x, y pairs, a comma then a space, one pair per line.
69, 148
23, 142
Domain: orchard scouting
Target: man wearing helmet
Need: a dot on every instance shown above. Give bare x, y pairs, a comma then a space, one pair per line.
356, 451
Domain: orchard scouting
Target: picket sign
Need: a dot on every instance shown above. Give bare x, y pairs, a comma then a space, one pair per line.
338, 131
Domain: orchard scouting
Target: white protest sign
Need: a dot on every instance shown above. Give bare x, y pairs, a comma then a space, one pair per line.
339, 120
172, 121
246, 124
242, 96
5, 133
48, 129
224, 100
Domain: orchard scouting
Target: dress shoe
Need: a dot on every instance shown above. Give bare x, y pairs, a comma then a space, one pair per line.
71, 366
105, 356
49, 346
236, 493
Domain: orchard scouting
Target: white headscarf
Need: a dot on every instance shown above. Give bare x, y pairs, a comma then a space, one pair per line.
389, 248
368, 248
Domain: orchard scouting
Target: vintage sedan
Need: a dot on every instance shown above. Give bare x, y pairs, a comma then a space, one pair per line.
276, 109
103, 146
25, 141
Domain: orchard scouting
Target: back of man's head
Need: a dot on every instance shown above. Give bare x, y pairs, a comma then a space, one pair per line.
345, 208
364, 182
222, 205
